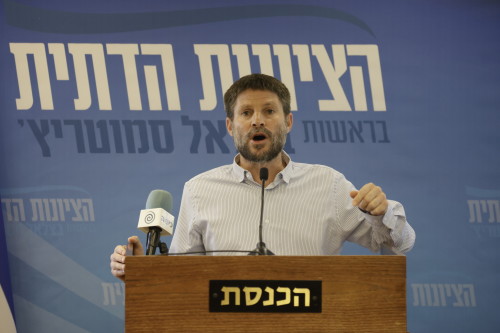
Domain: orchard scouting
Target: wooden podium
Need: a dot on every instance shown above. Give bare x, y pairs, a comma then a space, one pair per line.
359, 294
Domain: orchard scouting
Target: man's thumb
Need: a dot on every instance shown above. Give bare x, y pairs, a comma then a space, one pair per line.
134, 246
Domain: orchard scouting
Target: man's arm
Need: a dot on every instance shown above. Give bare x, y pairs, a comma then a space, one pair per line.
382, 223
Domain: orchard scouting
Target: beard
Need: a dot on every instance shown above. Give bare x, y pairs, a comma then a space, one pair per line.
278, 141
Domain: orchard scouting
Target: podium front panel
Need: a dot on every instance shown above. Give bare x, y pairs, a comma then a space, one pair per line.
359, 293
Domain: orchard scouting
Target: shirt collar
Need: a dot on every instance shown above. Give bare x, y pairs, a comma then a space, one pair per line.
285, 174
238, 171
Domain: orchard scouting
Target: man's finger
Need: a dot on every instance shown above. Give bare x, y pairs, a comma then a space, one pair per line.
129, 249
116, 266
120, 249
381, 209
372, 194
119, 273
378, 205
135, 246
119, 254
378, 201
360, 196
373, 205
131, 245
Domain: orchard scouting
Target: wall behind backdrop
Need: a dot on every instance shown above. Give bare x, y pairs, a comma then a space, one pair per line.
102, 102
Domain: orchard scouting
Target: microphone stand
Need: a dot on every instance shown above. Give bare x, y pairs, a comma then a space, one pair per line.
261, 249
153, 241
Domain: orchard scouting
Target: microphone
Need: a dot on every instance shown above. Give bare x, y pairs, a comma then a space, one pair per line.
261, 248
156, 220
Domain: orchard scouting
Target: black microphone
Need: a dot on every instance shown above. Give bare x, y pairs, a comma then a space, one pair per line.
261, 249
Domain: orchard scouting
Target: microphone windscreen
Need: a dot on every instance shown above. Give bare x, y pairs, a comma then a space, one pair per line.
264, 174
159, 199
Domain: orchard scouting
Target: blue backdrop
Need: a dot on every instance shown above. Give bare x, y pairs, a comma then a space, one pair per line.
101, 102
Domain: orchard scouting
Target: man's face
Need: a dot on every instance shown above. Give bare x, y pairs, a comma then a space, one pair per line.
259, 127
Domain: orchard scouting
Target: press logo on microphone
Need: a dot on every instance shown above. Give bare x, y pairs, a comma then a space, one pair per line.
156, 217
150, 217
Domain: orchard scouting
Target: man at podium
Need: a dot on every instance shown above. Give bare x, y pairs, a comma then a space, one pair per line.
310, 209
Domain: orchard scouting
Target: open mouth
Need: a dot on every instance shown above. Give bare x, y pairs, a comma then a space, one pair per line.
259, 137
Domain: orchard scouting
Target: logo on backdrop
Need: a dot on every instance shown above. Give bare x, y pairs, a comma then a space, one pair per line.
334, 62
443, 295
347, 77
113, 293
484, 211
39, 209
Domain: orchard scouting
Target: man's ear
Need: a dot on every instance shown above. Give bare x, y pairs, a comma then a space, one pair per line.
289, 122
229, 126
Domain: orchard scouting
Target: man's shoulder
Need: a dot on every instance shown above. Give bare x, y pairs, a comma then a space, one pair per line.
217, 173
319, 177
316, 169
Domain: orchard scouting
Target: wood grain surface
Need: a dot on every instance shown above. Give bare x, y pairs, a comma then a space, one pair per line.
360, 293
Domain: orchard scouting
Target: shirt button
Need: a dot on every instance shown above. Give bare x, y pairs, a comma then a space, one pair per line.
266, 221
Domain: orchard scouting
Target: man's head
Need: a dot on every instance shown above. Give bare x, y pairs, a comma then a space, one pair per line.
256, 118
256, 82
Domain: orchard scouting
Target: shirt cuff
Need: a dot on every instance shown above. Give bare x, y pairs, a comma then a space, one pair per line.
388, 227
395, 220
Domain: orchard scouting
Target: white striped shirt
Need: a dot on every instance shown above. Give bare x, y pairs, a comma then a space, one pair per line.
307, 211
